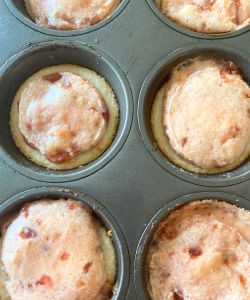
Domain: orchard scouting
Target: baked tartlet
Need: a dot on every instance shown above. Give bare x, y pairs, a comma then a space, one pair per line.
56, 249
69, 15
201, 251
64, 117
201, 116
207, 16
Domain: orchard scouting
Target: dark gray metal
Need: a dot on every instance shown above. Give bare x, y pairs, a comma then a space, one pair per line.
140, 273
16, 202
132, 186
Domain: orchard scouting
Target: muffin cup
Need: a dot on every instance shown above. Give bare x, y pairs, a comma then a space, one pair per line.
42, 55
153, 82
16, 202
140, 279
190, 32
17, 8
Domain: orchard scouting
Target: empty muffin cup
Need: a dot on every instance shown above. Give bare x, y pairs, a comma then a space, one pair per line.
38, 214
176, 231
42, 56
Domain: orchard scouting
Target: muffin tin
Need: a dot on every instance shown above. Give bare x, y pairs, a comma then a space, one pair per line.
134, 49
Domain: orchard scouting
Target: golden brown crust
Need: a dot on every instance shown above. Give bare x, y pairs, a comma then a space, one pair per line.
108, 95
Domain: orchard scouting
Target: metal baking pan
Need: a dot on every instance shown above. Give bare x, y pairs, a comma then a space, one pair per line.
134, 50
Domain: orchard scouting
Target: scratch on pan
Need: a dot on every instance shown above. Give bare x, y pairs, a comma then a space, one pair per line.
134, 61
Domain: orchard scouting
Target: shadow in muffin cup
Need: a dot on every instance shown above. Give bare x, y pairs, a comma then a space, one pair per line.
17, 8
152, 84
140, 270
189, 32
42, 55
15, 203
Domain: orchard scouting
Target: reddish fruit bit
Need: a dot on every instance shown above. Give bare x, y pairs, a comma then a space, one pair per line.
25, 210
67, 85
236, 18
58, 157
178, 296
105, 114
184, 141
104, 111
154, 244
29, 143
242, 279
45, 280
215, 226
87, 267
52, 77
30, 286
194, 252
72, 205
75, 150
64, 256
28, 233
232, 133
230, 69
207, 4
169, 233
28, 126
226, 261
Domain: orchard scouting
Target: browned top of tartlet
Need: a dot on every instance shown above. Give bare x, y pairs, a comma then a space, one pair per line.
201, 251
73, 14
207, 112
208, 16
52, 250
62, 115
